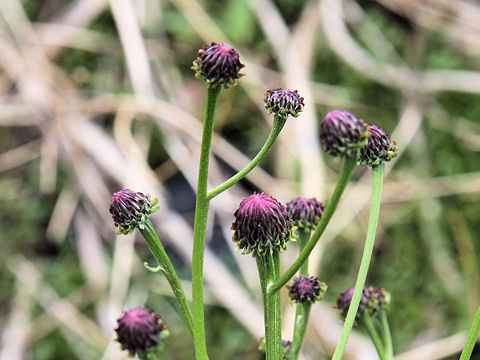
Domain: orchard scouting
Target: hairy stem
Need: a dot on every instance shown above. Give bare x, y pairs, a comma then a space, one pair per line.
472, 338
167, 268
377, 182
278, 124
199, 228
302, 311
344, 177
269, 271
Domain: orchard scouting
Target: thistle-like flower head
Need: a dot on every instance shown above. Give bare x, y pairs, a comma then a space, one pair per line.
140, 330
282, 102
380, 299
380, 147
262, 225
373, 300
218, 64
345, 298
131, 209
306, 289
305, 213
342, 133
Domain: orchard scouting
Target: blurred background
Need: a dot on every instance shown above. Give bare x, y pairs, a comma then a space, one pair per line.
96, 95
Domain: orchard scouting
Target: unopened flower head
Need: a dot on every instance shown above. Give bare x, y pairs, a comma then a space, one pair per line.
342, 133
282, 102
140, 330
218, 64
262, 225
380, 147
345, 298
131, 209
306, 289
305, 212
380, 299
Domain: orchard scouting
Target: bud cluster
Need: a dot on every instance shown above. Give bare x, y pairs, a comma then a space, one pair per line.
282, 102
342, 133
262, 225
140, 330
131, 209
380, 147
218, 64
305, 213
372, 301
306, 289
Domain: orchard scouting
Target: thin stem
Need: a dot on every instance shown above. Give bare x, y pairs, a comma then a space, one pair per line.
156, 247
278, 124
377, 182
472, 337
269, 271
200, 226
303, 237
387, 336
302, 311
367, 323
343, 179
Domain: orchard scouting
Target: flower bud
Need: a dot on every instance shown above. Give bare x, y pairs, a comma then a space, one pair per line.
380, 298
306, 289
305, 213
262, 225
345, 298
342, 133
140, 330
380, 147
283, 102
218, 64
373, 300
131, 209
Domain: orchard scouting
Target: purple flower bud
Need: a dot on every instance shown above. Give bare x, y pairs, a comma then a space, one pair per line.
343, 302
131, 209
261, 225
373, 300
380, 147
140, 330
305, 213
283, 102
306, 289
218, 64
342, 133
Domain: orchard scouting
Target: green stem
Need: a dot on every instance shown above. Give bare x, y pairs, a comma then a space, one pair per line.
472, 337
156, 247
302, 311
278, 123
303, 237
343, 179
377, 182
200, 226
269, 271
301, 321
147, 356
387, 336
367, 323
